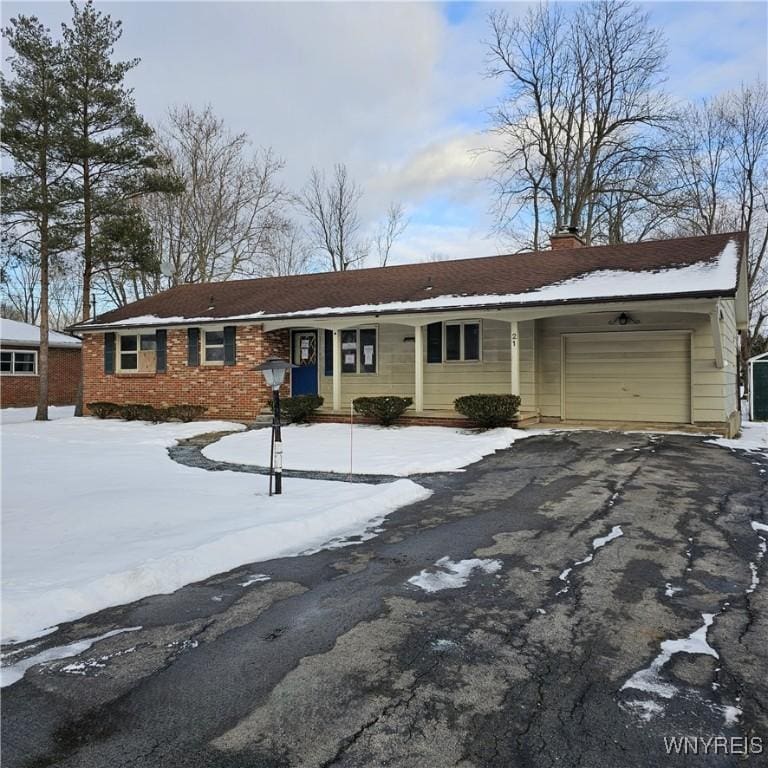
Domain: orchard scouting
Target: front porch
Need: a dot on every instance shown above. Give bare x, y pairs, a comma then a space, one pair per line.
643, 363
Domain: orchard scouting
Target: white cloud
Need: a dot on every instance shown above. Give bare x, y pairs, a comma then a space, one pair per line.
426, 242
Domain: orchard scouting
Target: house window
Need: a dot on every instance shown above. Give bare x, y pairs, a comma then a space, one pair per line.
349, 351
138, 352
18, 362
213, 347
453, 342
359, 351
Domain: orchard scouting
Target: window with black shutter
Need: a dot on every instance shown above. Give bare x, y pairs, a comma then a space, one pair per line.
109, 353
435, 343
193, 346
230, 350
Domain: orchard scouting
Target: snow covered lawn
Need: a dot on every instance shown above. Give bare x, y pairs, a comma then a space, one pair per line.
96, 514
375, 450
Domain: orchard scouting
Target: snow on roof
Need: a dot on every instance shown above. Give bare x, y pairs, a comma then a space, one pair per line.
705, 266
14, 332
704, 277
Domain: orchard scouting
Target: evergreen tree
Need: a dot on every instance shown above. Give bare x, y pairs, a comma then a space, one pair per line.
111, 147
36, 190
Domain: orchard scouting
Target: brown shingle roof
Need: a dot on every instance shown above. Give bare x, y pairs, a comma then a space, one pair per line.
497, 277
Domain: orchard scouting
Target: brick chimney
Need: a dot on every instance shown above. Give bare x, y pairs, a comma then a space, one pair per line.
565, 237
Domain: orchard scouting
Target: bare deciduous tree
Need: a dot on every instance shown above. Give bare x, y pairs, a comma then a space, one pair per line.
720, 160
583, 86
221, 225
333, 223
700, 158
286, 251
389, 231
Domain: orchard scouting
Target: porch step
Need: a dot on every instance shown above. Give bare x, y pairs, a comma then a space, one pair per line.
264, 419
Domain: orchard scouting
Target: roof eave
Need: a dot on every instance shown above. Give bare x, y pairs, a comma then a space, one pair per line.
310, 315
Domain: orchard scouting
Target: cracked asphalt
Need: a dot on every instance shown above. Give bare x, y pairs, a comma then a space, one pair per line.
338, 661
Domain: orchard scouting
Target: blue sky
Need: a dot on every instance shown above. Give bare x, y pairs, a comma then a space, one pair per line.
394, 90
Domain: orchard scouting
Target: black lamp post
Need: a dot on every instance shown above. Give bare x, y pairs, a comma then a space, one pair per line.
274, 370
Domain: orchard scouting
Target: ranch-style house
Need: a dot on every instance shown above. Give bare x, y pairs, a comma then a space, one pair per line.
618, 334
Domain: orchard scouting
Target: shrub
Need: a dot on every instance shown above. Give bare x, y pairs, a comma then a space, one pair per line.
385, 410
299, 409
161, 415
488, 411
186, 412
138, 412
103, 410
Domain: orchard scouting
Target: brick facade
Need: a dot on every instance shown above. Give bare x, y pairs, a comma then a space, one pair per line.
63, 378
234, 392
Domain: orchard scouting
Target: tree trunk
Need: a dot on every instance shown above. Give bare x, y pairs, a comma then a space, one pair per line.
42, 362
87, 271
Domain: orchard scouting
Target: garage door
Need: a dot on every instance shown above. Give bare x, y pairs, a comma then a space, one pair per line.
635, 376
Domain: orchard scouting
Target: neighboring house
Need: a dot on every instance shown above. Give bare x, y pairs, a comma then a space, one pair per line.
19, 352
645, 332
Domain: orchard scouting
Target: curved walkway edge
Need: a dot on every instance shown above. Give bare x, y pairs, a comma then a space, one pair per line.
189, 452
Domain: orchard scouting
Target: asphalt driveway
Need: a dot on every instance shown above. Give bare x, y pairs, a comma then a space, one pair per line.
340, 660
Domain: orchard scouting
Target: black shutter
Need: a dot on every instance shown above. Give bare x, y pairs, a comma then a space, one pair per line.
435, 343
161, 346
193, 346
230, 351
328, 353
109, 353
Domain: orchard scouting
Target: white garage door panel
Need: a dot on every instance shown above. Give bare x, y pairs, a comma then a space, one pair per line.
628, 377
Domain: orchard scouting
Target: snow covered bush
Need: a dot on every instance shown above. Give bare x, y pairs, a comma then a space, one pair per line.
104, 410
385, 410
488, 411
299, 409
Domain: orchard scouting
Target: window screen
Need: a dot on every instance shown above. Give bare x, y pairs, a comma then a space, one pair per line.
349, 351
129, 358
453, 342
367, 350
214, 346
472, 341
24, 362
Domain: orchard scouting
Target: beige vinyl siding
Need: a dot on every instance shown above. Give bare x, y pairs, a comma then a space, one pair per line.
444, 382
730, 352
395, 368
637, 376
707, 381
527, 331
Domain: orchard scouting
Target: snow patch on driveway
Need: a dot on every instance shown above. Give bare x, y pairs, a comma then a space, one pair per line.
13, 672
597, 543
650, 680
452, 575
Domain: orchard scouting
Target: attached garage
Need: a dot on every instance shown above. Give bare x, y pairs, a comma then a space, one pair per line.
631, 376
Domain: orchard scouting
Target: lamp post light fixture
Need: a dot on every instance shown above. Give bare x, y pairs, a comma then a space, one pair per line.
274, 370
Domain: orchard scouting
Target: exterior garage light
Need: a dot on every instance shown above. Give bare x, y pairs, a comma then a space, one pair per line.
274, 370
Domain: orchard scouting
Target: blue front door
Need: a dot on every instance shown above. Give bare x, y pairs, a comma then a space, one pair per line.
304, 355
